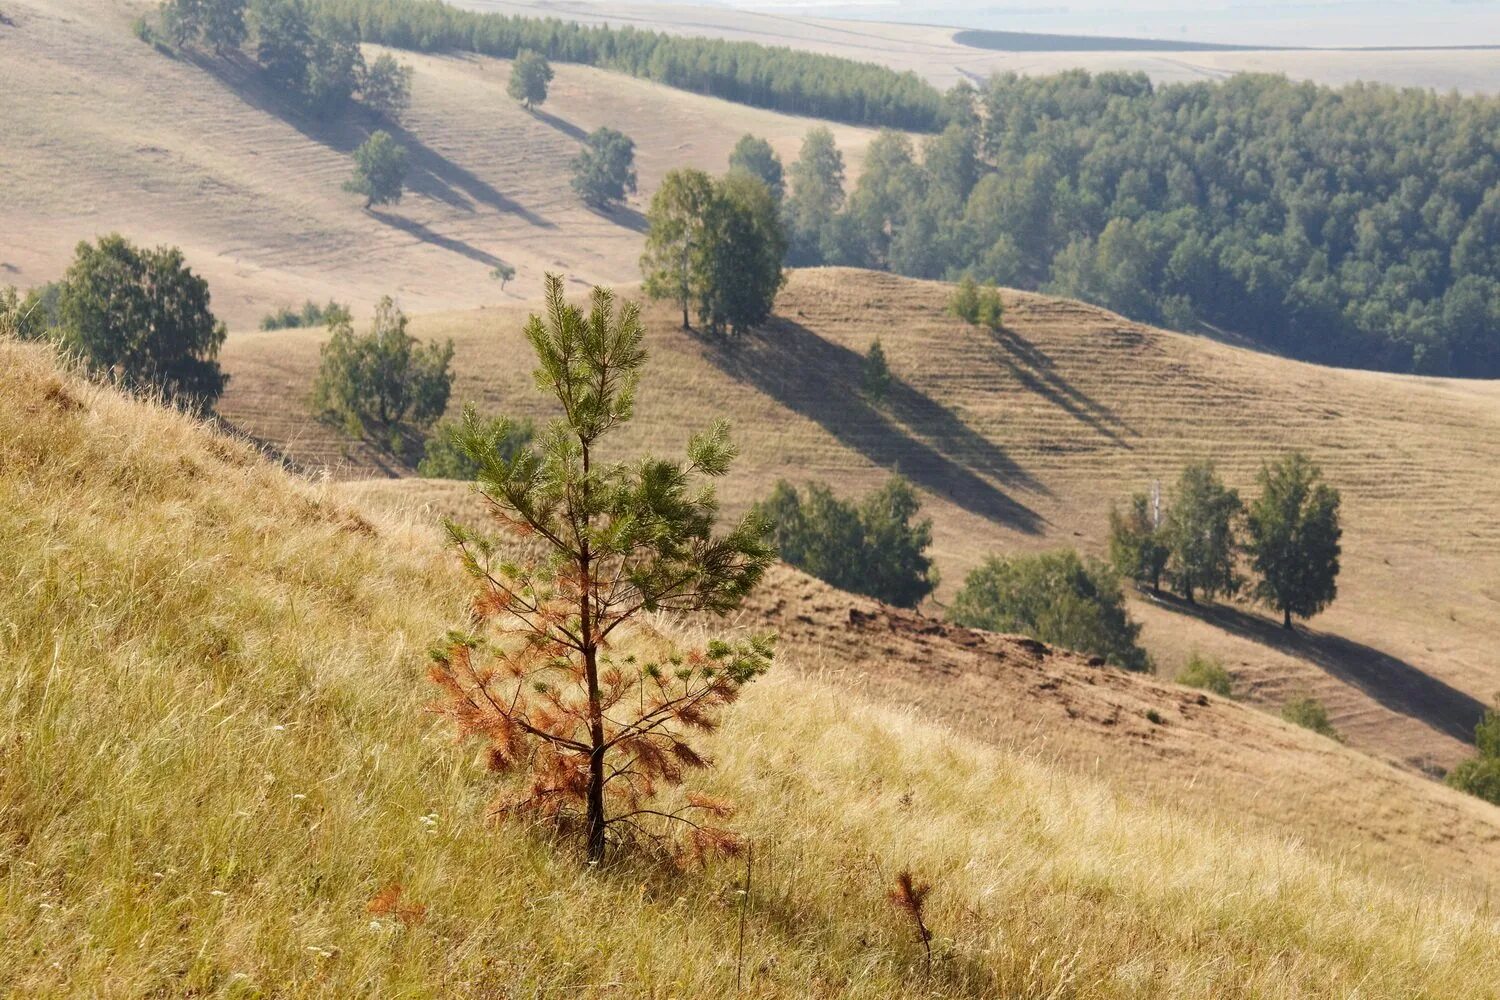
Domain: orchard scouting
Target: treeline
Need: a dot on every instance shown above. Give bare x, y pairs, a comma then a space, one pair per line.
1357, 226
784, 79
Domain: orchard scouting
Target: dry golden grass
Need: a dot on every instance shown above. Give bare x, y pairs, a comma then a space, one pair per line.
214, 758
102, 133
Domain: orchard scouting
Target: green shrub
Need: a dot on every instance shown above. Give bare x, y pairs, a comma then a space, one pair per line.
871, 548
311, 314
1481, 775
32, 316
445, 455
1309, 713
383, 383
977, 304
1055, 597
1478, 776
1208, 674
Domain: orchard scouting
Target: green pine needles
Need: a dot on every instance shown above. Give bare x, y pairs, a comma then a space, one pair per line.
584, 705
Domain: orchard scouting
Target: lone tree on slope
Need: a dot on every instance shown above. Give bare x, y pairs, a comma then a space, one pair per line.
379, 170
540, 676
1293, 529
604, 170
529, 76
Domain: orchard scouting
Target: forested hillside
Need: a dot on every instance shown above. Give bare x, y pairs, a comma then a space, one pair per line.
1356, 226
801, 83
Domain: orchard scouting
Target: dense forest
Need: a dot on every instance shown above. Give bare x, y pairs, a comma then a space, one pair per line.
784, 79
1356, 226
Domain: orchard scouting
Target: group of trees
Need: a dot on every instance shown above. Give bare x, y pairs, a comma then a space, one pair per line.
1290, 534
1351, 226
314, 58
717, 245
874, 547
137, 316
785, 79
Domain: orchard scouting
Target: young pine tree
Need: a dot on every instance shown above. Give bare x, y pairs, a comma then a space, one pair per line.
877, 373
1294, 532
594, 732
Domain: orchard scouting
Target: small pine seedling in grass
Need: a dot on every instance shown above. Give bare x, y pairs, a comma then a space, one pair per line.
1208, 674
877, 373
1309, 713
910, 897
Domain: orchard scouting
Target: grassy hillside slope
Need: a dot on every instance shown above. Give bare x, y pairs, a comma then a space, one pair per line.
1024, 437
105, 133
214, 757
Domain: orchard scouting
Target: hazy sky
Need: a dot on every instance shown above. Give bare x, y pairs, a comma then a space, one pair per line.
1256, 22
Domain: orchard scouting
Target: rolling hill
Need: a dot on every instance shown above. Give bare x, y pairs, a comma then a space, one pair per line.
215, 759
1023, 438
940, 54
199, 153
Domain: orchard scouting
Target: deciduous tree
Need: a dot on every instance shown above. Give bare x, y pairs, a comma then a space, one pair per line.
817, 193
529, 76
379, 170
142, 317
1200, 534
604, 170
574, 695
755, 156
384, 381
674, 239
385, 87
740, 258
1138, 546
1293, 536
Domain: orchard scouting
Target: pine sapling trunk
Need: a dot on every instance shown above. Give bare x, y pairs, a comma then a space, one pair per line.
594, 819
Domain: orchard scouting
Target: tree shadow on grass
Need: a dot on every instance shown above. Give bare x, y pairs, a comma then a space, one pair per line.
429, 173
1394, 683
564, 126
1034, 369
428, 235
925, 441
